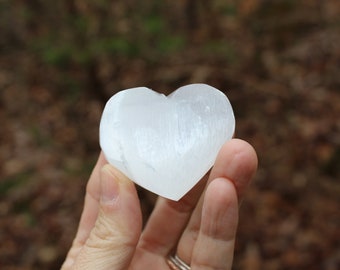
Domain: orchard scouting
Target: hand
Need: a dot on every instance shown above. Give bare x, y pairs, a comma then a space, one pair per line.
200, 228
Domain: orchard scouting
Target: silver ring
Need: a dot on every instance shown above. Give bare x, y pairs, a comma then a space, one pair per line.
176, 263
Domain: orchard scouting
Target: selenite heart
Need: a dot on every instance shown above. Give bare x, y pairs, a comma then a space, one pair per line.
166, 143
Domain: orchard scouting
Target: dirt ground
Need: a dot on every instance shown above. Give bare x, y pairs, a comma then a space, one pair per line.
278, 62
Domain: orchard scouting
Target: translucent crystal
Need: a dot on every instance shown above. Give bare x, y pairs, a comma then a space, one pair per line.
166, 143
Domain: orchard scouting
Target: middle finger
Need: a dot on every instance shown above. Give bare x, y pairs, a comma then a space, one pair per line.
167, 222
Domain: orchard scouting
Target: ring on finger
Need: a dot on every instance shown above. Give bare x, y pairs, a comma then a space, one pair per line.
176, 263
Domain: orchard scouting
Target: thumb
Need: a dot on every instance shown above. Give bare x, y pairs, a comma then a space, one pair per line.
112, 241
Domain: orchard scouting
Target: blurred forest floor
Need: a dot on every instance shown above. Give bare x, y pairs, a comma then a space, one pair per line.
278, 62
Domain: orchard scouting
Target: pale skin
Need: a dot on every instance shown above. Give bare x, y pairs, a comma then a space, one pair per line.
200, 228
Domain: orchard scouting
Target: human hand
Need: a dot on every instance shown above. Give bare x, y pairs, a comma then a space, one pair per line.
200, 228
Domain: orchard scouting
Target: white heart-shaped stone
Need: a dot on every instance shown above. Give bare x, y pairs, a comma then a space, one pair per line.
166, 143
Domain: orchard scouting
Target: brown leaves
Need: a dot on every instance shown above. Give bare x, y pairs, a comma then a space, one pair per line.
278, 61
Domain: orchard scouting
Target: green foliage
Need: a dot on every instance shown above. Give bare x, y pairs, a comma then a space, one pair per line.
154, 24
222, 49
59, 56
170, 44
115, 46
14, 181
228, 9
81, 38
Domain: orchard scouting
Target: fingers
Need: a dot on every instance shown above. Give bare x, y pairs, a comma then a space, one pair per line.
111, 242
236, 162
111, 220
214, 247
90, 212
91, 205
167, 221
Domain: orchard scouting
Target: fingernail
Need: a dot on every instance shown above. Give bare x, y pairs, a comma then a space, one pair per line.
109, 186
